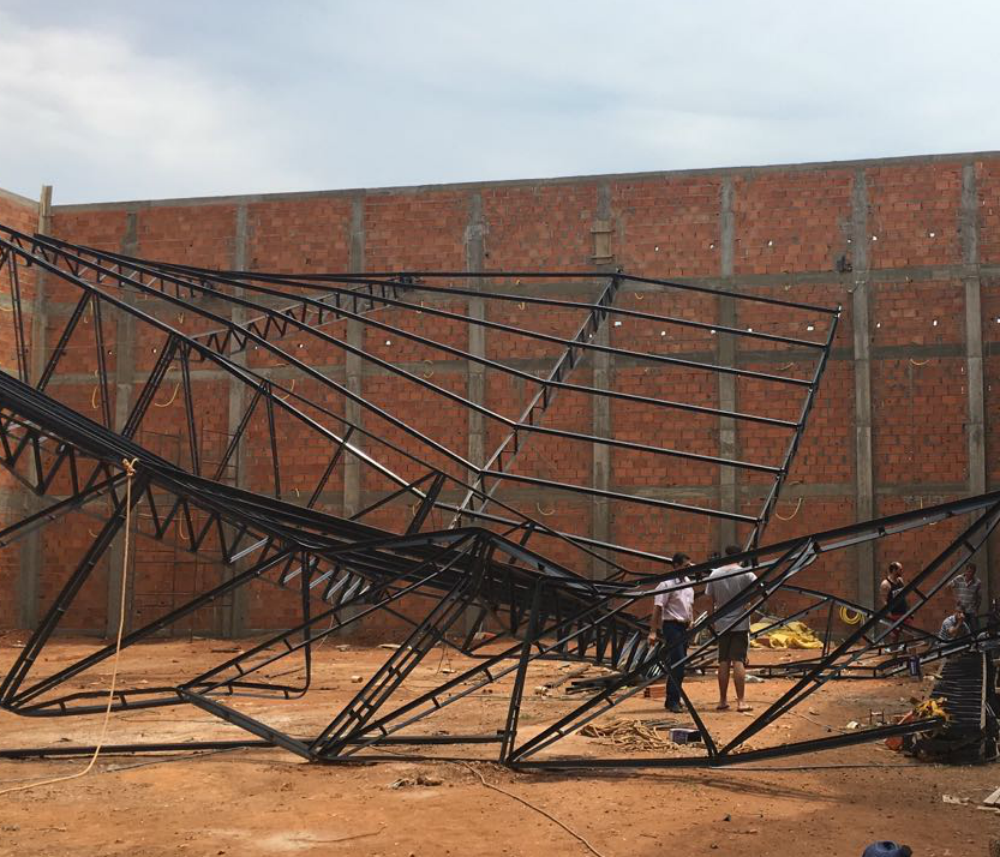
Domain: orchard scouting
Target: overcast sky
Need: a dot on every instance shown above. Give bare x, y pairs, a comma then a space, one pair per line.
126, 100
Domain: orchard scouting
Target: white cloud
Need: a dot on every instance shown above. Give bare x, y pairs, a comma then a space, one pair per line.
131, 101
87, 103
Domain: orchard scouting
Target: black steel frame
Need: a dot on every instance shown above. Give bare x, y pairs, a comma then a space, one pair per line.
542, 608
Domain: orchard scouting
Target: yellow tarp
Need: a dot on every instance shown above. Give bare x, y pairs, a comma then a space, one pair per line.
794, 635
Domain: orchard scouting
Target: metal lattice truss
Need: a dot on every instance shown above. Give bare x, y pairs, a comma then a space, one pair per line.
485, 577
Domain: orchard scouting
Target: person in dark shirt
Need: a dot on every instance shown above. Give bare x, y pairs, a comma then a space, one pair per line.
892, 584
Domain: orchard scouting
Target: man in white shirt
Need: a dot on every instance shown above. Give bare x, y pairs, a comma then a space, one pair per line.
672, 616
724, 584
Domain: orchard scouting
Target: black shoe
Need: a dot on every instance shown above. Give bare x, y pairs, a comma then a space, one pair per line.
676, 708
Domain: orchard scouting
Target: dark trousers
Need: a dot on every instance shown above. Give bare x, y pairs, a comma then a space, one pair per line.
674, 650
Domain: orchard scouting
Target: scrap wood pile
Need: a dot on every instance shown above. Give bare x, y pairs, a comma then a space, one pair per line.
630, 734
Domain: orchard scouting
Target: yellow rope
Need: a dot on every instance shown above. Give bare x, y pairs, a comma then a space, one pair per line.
167, 404
290, 391
850, 617
781, 517
129, 467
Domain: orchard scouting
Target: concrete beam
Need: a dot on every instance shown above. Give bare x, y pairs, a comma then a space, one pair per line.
976, 423
661, 175
726, 356
863, 464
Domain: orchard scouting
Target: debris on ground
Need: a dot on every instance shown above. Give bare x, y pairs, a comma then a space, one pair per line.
419, 780
631, 734
792, 635
550, 685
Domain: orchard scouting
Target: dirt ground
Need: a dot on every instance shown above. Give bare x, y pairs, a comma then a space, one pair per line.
256, 802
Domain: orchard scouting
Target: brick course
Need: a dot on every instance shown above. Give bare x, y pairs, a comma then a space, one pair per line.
792, 238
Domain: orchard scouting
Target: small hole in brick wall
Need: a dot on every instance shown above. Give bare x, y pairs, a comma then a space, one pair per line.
878, 324
663, 333
810, 327
770, 243
931, 234
874, 237
388, 342
711, 246
848, 240
712, 331
997, 319
154, 351
618, 324
656, 249
934, 323
301, 345
749, 330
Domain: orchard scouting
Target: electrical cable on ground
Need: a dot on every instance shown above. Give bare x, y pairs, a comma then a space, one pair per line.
537, 809
129, 467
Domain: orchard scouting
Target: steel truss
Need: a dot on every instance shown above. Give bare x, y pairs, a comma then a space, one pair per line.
524, 607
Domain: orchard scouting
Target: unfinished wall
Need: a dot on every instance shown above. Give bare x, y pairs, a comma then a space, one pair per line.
21, 214
907, 415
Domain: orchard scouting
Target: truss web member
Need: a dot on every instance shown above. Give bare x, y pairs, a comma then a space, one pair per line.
672, 616
725, 584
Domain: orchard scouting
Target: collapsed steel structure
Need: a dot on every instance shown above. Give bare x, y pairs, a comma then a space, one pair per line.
490, 592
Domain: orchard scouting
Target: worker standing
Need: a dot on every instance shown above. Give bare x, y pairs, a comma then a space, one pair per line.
892, 585
968, 594
673, 607
733, 628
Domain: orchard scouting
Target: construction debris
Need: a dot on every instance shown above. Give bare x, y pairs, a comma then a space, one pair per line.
630, 734
793, 635
419, 780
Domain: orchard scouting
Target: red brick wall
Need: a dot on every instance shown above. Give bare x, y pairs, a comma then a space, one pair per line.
21, 215
791, 227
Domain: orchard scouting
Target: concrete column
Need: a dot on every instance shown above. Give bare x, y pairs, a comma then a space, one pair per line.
235, 622
475, 258
603, 363
475, 255
124, 381
45, 210
353, 363
32, 555
976, 424
726, 356
863, 466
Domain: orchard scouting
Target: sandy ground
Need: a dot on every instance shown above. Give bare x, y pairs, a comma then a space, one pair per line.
255, 802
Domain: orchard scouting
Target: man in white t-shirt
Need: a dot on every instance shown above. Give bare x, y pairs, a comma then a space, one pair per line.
673, 609
724, 584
